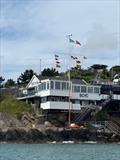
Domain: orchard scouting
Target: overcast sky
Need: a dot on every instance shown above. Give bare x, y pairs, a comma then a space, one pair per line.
31, 30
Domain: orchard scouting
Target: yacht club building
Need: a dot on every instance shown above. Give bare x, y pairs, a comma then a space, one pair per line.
53, 93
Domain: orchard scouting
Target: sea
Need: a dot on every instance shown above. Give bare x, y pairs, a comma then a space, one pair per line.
59, 151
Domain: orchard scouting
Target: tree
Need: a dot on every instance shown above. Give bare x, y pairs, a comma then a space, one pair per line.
114, 70
100, 71
50, 72
1, 80
99, 66
9, 83
25, 77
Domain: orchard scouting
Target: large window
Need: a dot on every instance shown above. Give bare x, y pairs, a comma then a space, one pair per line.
64, 86
76, 88
51, 84
83, 89
96, 89
39, 87
90, 89
43, 99
48, 85
57, 85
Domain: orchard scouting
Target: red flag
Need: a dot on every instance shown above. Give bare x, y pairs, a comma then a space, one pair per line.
57, 62
77, 42
78, 62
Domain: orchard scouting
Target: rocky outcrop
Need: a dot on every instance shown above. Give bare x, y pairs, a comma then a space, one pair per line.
9, 120
59, 135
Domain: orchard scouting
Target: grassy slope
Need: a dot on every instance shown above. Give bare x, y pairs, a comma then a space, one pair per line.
11, 105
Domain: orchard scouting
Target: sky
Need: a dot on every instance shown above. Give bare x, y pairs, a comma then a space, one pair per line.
31, 30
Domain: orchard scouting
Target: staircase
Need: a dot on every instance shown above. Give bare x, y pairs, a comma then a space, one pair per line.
109, 125
114, 128
82, 115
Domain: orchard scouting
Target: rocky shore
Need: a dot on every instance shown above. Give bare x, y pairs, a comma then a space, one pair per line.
22, 135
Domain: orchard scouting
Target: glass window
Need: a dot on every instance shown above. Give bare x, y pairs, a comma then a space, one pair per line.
43, 99
47, 85
83, 89
90, 89
76, 88
96, 89
57, 85
51, 84
67, 84
44, 86
39, 87
64, 86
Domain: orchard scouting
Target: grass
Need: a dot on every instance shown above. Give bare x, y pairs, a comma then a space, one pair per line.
11, 105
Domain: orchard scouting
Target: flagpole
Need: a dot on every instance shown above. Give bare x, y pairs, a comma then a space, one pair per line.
40, 67
69, 94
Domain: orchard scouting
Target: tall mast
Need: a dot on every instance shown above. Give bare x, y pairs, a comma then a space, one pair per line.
69, 103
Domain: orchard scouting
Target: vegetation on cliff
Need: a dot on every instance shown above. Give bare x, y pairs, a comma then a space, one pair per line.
10, 104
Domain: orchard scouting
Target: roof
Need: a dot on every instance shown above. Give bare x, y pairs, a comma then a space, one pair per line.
75, 81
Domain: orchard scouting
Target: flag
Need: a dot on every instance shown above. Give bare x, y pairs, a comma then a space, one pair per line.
74, 57
57, 62
77, 42
56, 59
71, 41
84, 57
78, 62
57, 65
56, 56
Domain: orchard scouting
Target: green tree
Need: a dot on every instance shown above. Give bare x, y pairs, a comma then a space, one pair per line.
25, 77
1, 80
113, 71
50, 72
100, 71
9, 83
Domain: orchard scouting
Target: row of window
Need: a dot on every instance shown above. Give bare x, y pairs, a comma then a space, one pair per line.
65, 99
65, 86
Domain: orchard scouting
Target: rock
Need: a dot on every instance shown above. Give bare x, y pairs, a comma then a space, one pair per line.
47, 124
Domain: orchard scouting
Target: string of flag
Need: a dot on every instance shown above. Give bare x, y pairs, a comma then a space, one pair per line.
57, 61
74, 41
77, 60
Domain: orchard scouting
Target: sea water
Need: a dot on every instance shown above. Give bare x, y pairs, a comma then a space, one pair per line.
59, 151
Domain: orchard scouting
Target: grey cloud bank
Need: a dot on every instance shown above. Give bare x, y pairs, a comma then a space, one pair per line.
31, 30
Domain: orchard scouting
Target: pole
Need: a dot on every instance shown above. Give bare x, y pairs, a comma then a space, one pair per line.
69, 107
40, 68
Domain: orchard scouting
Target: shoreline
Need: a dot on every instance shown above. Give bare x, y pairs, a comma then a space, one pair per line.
62, 136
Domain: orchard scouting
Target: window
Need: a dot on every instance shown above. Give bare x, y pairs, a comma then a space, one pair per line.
76, 88
90, 89
64, 86
47, 85
67, 84
57, 85
83, 89
96, 89
44, 86
39, 87
51, 84
43, 99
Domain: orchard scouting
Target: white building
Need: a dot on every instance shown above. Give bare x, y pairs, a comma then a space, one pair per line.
53, 93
